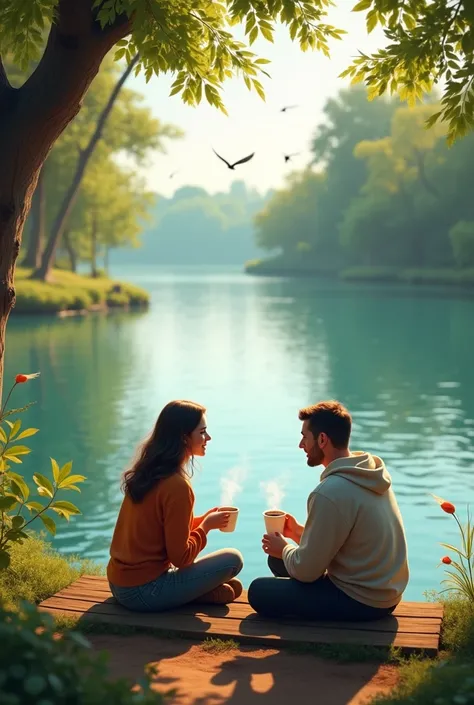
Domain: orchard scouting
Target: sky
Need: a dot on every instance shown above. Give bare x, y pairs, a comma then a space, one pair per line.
297, 78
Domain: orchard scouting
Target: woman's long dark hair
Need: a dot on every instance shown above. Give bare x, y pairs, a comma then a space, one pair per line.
165, 451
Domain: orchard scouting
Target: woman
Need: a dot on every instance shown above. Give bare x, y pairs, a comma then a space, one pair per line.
157, 539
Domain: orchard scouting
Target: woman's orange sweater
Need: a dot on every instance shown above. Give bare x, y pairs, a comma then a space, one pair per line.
156, 533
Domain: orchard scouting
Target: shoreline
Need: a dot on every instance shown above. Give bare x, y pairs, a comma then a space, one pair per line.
69, 294
449, 279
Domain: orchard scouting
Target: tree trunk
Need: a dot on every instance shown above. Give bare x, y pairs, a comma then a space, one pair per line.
70, 250
70, 197
106, 260
94, 249
32, 118
38, 213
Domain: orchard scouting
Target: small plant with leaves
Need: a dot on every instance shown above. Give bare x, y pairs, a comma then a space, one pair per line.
37, 667
461, 568
17, 509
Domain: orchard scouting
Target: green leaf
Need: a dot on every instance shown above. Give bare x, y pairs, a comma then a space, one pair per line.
43, 484
20, 484
17, 523
3, 436
71, 480
34, 506
66, 506
15, 428
4, 559
7, 502
253, 35
16, 450
49, 523
362, 5
65, 471
27, 433
55, 469
371, 21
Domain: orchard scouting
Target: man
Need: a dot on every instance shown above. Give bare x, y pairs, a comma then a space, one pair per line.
351, 559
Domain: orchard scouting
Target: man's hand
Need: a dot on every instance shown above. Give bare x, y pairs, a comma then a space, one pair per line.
292, 530
273, 545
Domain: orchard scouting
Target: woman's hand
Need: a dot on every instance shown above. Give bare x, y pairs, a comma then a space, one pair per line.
215, 520
292, 530
210, 511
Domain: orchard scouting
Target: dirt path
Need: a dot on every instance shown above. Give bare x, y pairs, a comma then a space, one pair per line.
244, 676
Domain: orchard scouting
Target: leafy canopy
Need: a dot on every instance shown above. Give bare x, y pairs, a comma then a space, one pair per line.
429, 41
189, 38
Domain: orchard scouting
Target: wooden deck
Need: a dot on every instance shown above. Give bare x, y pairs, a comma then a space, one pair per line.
413, 627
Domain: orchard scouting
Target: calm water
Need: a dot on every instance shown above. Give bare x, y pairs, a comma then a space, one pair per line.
254, 351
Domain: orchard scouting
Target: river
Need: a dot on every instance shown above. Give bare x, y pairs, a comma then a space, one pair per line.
253, 351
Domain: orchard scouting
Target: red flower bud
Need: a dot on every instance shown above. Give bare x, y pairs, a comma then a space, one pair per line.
21, 379
446, 560
448, 507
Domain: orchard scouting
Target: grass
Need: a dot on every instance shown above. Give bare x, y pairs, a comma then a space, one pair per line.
37, 571
447, 680
219, 646
72, 292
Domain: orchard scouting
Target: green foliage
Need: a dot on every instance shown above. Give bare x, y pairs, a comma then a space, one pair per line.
15, 494
392, 192
426, 43
462, 241
38, 667
36, 571
70, 291
189, 39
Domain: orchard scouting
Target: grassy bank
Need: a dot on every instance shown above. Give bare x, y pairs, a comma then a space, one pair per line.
37, 571
278, 266
449, 679
72, 292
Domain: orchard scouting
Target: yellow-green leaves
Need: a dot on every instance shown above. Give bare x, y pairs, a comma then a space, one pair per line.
15, 492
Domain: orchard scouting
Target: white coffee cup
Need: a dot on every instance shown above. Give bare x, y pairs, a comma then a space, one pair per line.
234, 512
274, 521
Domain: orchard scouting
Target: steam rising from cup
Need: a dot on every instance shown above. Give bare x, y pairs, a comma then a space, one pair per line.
273, 492
231, 485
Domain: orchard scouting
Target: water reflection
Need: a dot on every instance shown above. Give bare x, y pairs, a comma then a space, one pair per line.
254, 351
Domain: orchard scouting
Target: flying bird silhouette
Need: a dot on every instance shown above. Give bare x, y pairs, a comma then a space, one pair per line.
288, 156
287, 107
173, 173
232, 166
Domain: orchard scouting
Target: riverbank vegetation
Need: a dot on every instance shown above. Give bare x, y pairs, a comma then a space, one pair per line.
69, 292
384, 199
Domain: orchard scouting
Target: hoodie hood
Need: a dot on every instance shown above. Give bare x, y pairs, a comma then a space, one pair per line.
363, 469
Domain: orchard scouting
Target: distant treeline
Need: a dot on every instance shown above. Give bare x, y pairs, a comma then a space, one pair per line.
383, 191
195, 227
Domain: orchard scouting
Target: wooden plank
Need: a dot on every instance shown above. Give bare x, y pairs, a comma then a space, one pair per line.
242, 611
404, 609
251, 631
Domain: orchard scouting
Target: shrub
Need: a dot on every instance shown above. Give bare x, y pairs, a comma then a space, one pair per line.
37, 571
38, 667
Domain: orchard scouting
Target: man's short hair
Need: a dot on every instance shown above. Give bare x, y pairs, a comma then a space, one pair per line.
331, 418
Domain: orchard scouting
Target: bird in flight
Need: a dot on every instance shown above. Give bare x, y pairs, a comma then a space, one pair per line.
232, 166
173, 173
287, 107
288, 156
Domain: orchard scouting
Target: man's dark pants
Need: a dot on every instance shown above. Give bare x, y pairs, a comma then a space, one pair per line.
282, 596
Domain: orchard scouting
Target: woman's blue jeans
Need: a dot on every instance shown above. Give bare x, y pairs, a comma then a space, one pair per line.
179, 586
